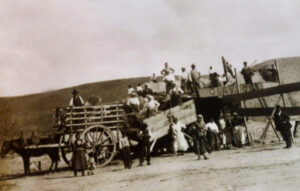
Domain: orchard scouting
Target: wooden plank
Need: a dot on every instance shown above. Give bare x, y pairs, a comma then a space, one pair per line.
223, 91
96, 107
105, 123
286, 88
158, 125
41, 146
94, 117
94, 112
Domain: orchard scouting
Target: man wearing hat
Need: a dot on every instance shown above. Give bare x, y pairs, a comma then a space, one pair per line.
195, 76
199, 130
283, 125
76, 100
247, 74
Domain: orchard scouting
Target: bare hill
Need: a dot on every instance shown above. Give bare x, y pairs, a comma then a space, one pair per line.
35, 112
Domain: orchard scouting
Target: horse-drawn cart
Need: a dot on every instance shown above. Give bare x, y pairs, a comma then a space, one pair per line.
99, 127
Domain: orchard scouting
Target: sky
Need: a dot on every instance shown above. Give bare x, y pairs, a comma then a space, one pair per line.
52, 44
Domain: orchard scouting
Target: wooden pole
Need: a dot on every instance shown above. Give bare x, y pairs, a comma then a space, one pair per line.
280, 83
225, 68
243, 106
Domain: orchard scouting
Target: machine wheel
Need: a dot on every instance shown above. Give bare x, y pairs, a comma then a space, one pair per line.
101, 143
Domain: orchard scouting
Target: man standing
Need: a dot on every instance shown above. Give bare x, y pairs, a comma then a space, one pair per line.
76, 100
238, 128
213, 131
144, 146
167, 70
247, 74
283, 125
199, 137
184, 77
195, 75
274, 73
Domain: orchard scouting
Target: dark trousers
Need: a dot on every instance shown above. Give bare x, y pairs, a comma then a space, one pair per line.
248, 80
144, 147
199, 144
126, 157
196, 87
214, 141
184, 85
287, 136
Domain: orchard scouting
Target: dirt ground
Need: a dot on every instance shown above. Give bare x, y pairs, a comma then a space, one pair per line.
259, 167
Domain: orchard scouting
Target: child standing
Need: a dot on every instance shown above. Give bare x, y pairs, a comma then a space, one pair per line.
92, 164
124, 144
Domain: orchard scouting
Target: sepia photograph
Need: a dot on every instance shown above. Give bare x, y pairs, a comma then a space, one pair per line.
152, 95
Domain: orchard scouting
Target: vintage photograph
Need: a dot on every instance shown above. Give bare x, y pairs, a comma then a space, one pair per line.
149, 95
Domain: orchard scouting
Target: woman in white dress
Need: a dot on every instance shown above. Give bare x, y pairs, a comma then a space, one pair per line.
180, 143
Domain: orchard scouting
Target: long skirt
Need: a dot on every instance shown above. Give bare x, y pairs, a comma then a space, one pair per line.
240, 135
180, 143
200, 145
79, 160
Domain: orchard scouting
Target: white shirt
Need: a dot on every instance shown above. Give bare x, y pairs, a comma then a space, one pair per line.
124, 142
170, 78
222, 123
139, 89
133, 101
152, 105
178, 126
184, 76
177, 90
212, 126
131, 90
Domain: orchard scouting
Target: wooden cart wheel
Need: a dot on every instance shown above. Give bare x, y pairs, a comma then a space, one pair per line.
101, 142
65, 144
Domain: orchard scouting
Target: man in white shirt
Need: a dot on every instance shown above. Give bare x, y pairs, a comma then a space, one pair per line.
151, 106
167, 70
175, 95
134, 102
130, 90
195, 76
139, 89
184, 78
213, 134
169, 77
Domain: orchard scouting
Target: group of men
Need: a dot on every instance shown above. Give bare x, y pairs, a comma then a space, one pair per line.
191, 81
141, 99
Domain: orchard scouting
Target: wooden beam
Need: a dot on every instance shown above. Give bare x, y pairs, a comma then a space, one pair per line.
286, 88
225, 68
243, 106
280, 82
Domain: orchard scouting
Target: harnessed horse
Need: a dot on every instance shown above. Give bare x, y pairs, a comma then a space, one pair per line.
18, 146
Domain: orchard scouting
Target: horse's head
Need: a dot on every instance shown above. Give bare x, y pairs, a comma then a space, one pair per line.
6, 147
16, 145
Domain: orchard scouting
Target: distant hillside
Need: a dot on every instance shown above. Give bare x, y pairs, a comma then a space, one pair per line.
34, 112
